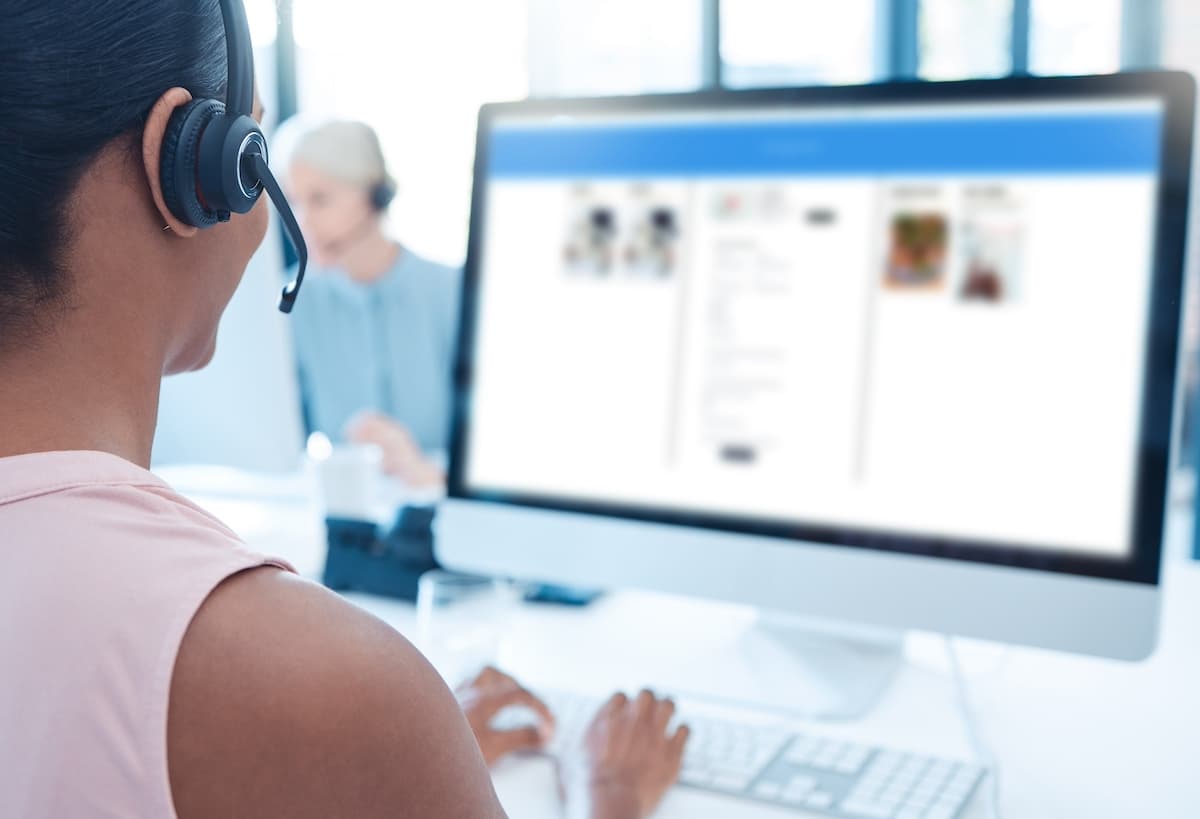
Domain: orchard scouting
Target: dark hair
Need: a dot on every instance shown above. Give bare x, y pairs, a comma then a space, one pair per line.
75, 75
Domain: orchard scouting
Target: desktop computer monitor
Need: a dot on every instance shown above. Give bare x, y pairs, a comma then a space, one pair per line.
900, 354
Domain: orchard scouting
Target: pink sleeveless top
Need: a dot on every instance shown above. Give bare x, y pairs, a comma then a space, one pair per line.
102, 567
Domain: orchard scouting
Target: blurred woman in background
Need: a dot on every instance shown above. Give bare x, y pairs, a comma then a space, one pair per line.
376, 330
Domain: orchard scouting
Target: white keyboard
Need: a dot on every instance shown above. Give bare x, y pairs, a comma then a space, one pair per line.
769, 763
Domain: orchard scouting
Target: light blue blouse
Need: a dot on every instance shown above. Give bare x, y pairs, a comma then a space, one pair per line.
387, 346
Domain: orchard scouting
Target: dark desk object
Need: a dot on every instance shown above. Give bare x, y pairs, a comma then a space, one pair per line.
560, 595
366, 557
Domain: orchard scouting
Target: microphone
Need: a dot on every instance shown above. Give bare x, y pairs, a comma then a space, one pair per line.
287, 299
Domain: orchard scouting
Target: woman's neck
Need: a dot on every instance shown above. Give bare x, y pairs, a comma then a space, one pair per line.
75, 410
371, 259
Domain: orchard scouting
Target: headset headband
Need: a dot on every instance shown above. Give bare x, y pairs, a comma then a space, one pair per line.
239, 51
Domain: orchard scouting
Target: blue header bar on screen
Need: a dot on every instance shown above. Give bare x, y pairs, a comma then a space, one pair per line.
1121, 141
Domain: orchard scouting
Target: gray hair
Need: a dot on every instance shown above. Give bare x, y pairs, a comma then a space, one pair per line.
346, 150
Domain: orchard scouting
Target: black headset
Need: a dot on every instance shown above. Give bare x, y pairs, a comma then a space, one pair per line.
214, 154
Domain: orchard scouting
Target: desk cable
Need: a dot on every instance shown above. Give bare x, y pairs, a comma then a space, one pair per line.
979, 746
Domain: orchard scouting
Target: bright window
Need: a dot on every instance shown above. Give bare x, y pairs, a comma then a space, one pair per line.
590, 48
1075, 36
793, 42
960, 39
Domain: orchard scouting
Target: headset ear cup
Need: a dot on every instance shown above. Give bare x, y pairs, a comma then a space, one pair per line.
382, 195
180, 157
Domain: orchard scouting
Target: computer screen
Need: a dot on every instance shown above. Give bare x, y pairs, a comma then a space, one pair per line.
925, 319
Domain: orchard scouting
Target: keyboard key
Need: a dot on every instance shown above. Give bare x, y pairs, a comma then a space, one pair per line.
927, 788
798, 789
932, 781
855, 805
827, 758
768, 790
793, 798
730, 782
920, 800
864, 790
802, 754
845, 766
856, 755
851, 761
871, 784
819, 799
732, 767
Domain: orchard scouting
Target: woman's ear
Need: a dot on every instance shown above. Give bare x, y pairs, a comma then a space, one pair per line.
152, 142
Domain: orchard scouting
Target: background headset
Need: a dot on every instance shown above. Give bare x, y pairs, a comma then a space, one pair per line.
214, 154
382, 194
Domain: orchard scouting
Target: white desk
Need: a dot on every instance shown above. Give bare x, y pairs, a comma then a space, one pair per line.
1076, 737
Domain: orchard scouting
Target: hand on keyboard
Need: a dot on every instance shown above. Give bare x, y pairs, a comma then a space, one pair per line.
626, 761
491, 692
758, 756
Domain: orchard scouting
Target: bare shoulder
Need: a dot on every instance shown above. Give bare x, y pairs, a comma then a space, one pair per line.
288, 701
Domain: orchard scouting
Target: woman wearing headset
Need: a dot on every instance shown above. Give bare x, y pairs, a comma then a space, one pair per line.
375, 333
154, 666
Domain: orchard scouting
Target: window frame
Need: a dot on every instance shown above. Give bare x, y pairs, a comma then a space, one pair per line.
896, 42
897, 36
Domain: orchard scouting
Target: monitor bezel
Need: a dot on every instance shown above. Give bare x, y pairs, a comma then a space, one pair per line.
1176, 92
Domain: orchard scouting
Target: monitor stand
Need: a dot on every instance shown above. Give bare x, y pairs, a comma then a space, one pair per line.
714, 653
813, 670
